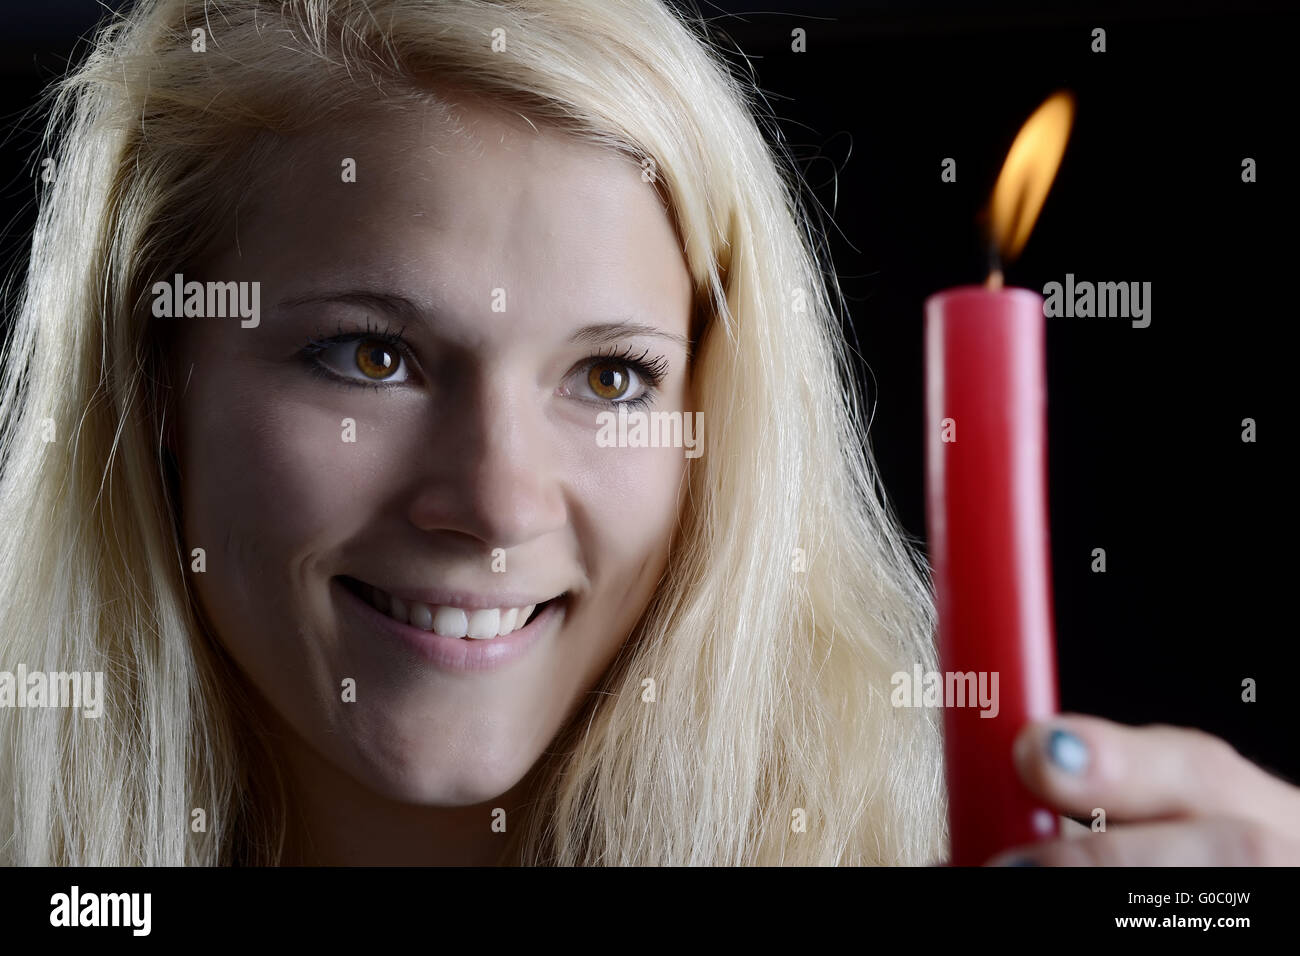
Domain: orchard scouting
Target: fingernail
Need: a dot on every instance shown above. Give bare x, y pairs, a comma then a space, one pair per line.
1067, 751
1019, 861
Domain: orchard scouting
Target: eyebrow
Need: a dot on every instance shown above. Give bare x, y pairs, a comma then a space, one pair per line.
601, 333
396, 305
606, 332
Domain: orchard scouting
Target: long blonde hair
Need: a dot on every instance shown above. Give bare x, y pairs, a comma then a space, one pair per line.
792, 595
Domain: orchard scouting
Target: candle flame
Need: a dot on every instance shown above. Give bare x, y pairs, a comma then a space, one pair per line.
1028, 172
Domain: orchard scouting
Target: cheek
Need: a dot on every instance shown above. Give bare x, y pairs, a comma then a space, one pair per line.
270, 487
629, 510
279, 474
625, 511
630, 496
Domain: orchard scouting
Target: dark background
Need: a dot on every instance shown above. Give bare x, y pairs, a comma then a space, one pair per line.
1146, 457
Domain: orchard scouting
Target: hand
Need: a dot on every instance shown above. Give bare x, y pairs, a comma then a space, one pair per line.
1181, 797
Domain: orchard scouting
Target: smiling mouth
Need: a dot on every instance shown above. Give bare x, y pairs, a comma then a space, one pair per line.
479, 624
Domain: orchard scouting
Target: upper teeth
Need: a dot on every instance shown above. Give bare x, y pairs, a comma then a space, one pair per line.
453, 621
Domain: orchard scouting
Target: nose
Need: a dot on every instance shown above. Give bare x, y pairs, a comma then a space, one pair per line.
487, 470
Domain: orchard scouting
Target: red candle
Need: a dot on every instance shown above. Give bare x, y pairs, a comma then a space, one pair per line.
987, 510
986, 469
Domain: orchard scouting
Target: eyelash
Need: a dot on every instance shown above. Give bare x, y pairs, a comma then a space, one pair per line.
319, 343
651, 371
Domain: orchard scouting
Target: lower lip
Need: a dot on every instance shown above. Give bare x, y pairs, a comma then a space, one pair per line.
456, 653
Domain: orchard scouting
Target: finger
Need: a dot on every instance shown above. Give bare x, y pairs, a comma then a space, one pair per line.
1071, 828
1205, 841
1080, 763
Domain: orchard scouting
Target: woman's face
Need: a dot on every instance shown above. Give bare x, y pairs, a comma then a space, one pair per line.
407, 439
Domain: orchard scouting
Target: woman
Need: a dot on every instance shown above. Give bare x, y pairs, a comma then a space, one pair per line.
350, 322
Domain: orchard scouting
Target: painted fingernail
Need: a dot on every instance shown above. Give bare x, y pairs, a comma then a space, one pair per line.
1067, 751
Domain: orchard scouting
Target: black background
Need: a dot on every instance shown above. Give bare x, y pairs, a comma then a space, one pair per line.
1146, 457
1145, 451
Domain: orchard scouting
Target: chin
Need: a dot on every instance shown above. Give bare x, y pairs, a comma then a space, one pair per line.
461, 790
441, 779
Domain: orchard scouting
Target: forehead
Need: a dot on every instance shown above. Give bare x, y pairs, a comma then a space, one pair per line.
461, 210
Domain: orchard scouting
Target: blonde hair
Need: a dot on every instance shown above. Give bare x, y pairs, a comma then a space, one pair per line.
772, 682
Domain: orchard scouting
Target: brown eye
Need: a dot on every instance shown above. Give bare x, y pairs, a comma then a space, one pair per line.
609, 380
376, 359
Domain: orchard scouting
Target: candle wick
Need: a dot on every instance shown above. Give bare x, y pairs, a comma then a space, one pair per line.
994, 281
